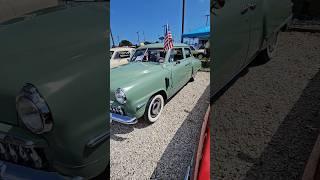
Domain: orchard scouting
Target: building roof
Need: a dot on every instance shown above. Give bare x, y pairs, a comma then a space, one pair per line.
203, 32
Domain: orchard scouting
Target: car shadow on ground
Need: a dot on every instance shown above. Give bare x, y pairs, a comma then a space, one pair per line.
255, 63
288, 151
216, 96
118, 128
178, 154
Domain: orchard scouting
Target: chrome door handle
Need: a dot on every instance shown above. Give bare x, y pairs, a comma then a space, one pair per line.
252, 6
245, 10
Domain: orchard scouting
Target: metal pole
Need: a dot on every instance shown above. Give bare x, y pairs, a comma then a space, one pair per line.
138, 37
182, 28
164, 30
207, 19
144, 37
112, 38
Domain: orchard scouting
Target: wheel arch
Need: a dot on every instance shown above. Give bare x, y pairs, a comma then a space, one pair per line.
163, 93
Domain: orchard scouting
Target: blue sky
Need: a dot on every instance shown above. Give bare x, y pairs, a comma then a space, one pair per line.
148, 16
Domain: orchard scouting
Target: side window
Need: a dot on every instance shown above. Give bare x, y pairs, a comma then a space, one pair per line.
188, 52
176, 54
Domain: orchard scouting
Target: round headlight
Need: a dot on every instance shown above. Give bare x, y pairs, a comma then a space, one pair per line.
120, 96
33, 110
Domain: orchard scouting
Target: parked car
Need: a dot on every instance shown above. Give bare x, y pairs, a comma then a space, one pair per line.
53, 122
120, 56
199, 53
242, 31
141, 88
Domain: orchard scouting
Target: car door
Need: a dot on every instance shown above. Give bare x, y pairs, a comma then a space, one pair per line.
188, 63
123, 57
230, 41
256, 28
178, 68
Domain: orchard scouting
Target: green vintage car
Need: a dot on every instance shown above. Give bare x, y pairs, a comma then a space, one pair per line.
53, 122
141, 88
241, 31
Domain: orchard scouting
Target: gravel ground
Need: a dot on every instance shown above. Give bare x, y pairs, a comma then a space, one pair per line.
267, 121
164, 149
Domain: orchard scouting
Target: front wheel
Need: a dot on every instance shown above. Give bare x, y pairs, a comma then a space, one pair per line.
268, 53
193, 76
154, 108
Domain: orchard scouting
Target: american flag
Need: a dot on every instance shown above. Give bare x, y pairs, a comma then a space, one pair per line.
168, 42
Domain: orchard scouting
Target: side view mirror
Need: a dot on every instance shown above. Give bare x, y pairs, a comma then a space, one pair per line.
217, 4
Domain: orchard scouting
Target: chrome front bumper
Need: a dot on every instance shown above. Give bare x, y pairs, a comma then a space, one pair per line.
12, 171
123, 119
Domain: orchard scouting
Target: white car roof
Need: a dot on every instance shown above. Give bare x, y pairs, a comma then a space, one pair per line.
121, 49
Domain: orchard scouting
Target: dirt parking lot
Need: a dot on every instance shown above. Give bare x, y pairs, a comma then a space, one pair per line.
164, 149
267, 121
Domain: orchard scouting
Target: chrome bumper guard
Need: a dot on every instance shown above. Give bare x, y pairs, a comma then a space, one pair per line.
123, 119
13, 171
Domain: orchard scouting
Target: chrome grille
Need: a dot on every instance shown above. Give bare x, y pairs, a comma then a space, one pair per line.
28, 156
117, 110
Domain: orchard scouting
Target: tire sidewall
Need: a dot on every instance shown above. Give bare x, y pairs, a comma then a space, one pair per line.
148, 116
272, 45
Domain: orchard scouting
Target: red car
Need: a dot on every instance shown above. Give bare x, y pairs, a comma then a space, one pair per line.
199, 168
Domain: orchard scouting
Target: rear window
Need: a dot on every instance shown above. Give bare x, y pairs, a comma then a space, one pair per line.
122, 54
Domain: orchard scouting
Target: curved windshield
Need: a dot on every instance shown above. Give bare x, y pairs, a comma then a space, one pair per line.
149, 55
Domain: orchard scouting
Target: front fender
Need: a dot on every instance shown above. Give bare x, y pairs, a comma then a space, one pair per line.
77, 97
142, 90
77, 100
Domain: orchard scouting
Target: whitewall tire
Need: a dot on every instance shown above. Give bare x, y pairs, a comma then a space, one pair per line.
154, 108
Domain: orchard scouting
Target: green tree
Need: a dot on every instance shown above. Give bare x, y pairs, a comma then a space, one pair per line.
125, 43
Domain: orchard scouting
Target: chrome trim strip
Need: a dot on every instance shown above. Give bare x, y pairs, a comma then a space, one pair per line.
6, 138
10, 170
141, 105
98, 139
123, 119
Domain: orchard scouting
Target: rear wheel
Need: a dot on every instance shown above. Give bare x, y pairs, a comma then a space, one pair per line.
154, 108
193, 76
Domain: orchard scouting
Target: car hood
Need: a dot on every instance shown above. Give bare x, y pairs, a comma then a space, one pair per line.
41, 49
126, 76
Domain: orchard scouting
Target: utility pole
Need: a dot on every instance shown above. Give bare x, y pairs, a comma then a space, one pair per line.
138, 37
207, 16
182, 28
112, 38
144, 37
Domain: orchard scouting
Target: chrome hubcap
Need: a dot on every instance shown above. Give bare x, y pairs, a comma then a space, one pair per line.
155, 108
